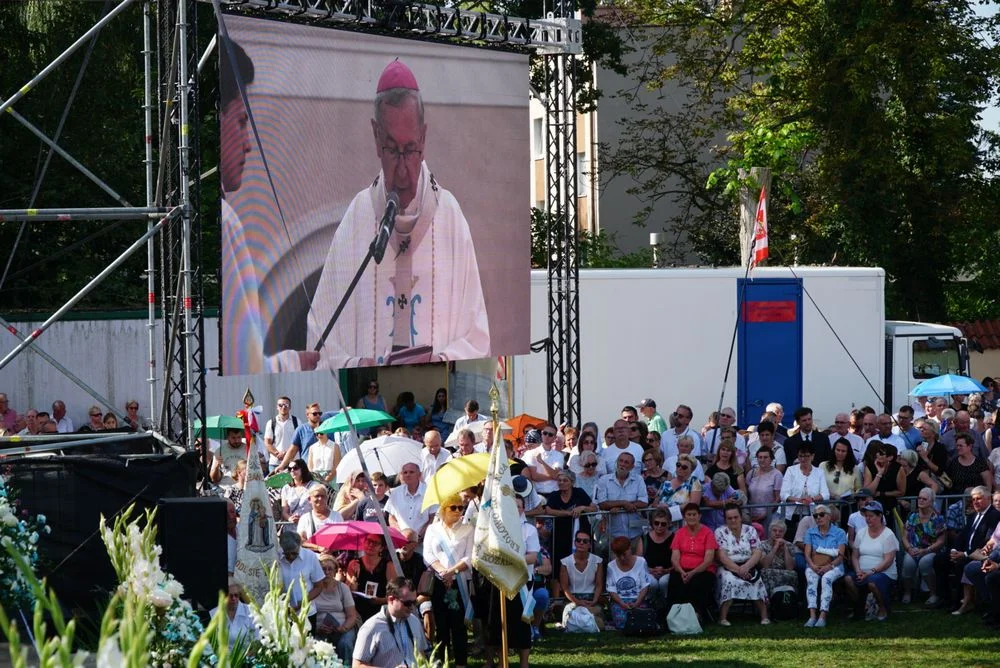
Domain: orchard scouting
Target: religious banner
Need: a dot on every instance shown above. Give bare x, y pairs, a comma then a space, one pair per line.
256, 534
498, 552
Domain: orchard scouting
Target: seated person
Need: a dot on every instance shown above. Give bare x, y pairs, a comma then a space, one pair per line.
654, 547
777, 561
825, 551
628, 581
368, 575
739, 553
874, 560
693, 558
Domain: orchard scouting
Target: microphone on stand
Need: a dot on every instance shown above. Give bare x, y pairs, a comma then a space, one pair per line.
376, 251
385, 227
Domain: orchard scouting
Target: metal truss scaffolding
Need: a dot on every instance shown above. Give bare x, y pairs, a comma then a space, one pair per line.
181, 300
173, 193
562, 238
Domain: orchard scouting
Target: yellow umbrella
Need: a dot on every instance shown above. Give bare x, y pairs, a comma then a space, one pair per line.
454, 476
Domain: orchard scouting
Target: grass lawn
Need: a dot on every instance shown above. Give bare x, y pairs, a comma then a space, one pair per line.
913, 636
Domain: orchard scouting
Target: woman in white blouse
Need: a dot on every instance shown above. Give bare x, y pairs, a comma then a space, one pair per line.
802, 486
324, 458
582, 576
238, 620
448, 551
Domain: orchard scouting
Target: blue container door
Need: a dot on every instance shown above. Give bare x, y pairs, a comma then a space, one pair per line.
770, 347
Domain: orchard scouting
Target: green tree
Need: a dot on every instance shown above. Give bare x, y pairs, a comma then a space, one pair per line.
597, 251
865, 111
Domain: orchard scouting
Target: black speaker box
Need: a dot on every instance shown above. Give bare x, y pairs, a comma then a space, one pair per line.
192, 533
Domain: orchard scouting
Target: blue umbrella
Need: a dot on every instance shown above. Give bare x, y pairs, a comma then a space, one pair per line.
946, 385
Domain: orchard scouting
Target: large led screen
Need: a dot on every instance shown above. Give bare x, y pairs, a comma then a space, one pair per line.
358, 130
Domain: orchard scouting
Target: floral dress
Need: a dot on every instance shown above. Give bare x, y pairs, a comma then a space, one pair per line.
680, 496
923, 534
782, 571
739, 550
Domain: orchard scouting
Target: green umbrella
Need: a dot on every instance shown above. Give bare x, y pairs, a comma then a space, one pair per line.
216, 425
362, 418
279, 480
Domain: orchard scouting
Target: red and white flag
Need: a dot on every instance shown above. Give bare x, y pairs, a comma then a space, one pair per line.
501, 368
760, 231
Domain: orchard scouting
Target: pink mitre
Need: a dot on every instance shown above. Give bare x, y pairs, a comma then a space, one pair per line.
396, 75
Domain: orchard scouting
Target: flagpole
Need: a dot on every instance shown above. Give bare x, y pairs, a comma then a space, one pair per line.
494, 411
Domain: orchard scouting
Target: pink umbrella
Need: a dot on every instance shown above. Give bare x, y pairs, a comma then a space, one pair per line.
351, 535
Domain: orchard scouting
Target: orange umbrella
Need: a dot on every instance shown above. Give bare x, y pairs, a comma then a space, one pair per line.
519, 425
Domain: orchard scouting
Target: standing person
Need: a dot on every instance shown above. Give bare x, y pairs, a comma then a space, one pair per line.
368, 575
304, 436
432, 456
712, 437
966, 469
693, 547
372, 400
448, 552
31, 425
301, 574
133, 420
842, 429
63, 422
654, 421
405, 500
544, 461
825, 551
8, 416
392, 638
439, 414
764, 486
653, 473
408, 411
842, 474
817, 440
933, 454
725, 462
278, 433
324, 458
802, 486
766, 438
587, 443
621, 444
680, 421
96, 422
566, 505
518, 631
589, 476
904, 429
471, 416
739, 553
874, 560
229, 452
336, 616
239, 623
622, 493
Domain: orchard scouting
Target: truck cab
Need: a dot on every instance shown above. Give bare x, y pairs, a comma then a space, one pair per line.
916, 351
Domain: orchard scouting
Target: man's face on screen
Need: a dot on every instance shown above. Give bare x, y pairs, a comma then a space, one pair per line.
235, 144
399, 143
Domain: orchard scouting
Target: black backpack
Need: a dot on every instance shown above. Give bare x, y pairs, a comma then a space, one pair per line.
784, 605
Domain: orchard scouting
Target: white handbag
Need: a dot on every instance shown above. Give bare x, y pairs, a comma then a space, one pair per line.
682, 620
578, 619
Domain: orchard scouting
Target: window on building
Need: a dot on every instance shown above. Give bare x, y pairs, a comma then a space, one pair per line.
538, 137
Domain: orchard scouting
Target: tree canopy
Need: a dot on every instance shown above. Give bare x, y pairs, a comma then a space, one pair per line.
867, 114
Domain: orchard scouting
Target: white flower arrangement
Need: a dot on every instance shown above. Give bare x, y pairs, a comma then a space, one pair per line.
21, 534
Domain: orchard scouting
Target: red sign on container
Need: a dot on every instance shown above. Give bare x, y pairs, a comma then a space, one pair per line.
770, 311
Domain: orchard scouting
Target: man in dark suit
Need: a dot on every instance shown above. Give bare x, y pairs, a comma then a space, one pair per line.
807, 434
979, 527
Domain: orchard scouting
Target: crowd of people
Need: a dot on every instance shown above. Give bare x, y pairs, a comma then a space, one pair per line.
789, 519
33, 422
653, 512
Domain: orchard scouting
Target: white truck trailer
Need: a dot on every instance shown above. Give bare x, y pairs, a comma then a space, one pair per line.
814, 336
